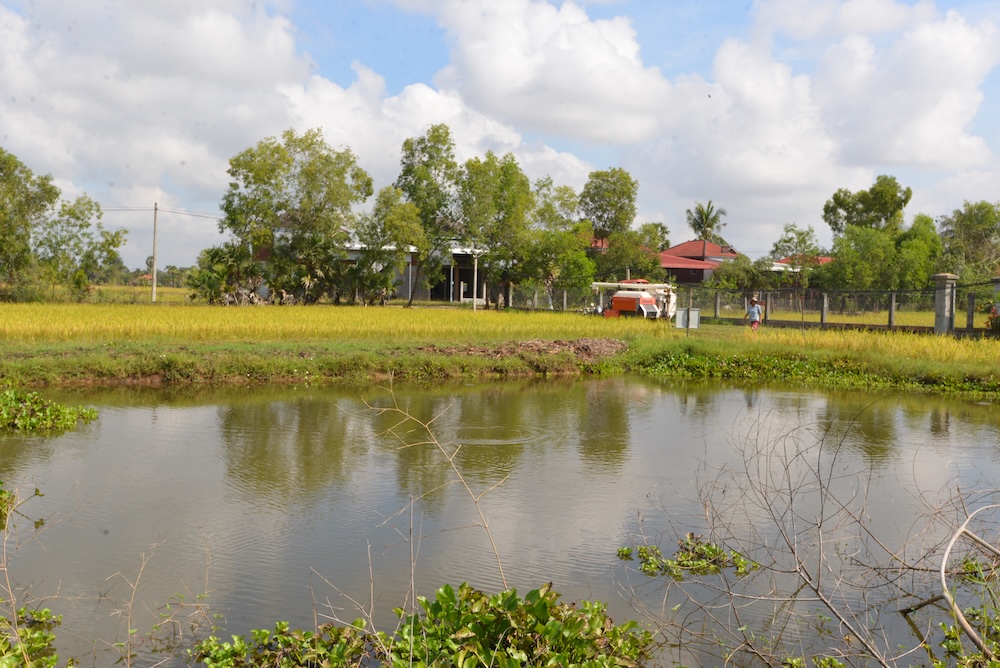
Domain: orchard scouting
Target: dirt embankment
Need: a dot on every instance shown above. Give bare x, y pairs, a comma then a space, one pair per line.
583, 350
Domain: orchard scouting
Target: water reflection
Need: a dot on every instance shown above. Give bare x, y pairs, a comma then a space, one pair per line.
282, 483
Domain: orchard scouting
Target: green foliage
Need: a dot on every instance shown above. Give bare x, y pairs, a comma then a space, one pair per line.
45, 243
460, 627
706, 222
971, 239
608, 200
429, 177
26, 411
28, 641
626, 255
466, 627
290, 206
694, 556
878, 208
329, 646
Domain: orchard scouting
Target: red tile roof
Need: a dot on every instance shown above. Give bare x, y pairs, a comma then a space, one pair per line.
700, 249
668, 261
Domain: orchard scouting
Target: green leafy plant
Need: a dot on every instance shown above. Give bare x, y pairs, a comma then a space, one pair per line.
694, 556
27, 411
28, 640
330, 645
465, 627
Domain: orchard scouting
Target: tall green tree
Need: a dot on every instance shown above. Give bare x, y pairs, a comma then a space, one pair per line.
556, 207
72, 246
386, 235
880, 207
608, 200
627, 257
706, 222
496, 200
971, 240
919, 252
290, 202
655, 236
799, 249
429, 177
25, 201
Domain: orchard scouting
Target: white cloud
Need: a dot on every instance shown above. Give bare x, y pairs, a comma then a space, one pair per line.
913, 102
552, 69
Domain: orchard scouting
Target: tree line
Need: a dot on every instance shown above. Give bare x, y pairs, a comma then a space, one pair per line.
872, 248
292, 210
295, 206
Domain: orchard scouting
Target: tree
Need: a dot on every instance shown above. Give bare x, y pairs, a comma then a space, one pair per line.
25, 201
558, 258
880, 207
69, 251
429, 178
799, 250
971, 241
655, 236
556, 207
290, 203
608, 199
706, 222
626, 257
496, 200
919, 251
386, 235
742, 274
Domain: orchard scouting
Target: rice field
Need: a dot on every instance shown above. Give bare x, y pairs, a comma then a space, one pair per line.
41, 323
887, 345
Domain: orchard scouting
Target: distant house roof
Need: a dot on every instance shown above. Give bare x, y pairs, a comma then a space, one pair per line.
668, 261
783, 263
700, 249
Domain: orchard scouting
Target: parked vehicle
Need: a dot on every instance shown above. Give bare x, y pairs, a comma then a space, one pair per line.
637, 297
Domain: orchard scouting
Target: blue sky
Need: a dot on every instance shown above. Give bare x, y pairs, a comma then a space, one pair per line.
766, 108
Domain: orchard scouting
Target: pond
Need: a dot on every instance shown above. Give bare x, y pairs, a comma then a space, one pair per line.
306, 503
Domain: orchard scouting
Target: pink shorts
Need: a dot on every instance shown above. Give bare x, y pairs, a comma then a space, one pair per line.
754, 324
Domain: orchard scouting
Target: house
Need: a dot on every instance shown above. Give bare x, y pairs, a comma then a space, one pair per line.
694, 261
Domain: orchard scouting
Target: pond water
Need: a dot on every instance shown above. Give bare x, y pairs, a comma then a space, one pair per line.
304, 503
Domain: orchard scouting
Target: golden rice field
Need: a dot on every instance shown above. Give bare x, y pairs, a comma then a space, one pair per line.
38, 323
904, 318
885, 345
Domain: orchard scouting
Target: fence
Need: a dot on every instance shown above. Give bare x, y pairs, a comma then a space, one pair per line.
966, 309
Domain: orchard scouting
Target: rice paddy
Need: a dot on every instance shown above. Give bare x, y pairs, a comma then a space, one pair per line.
113, 343
50, 323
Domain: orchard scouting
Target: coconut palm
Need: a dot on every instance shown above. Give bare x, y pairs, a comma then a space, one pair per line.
706, 221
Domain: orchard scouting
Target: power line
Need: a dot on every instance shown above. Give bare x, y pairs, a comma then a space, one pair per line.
149, 209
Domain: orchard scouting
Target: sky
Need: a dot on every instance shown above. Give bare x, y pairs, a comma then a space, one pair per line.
765, 108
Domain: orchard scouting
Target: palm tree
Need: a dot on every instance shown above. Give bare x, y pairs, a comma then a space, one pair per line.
706, 221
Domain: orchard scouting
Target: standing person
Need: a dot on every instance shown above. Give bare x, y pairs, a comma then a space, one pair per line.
754, 313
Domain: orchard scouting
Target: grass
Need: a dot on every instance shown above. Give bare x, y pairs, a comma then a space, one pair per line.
156, 343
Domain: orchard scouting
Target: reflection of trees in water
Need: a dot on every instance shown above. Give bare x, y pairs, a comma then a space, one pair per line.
862, 423
285, 449
604, 424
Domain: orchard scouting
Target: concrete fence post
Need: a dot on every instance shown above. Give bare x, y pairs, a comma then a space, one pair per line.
944, 302
892, 310
824, 309
970, 312
718, 304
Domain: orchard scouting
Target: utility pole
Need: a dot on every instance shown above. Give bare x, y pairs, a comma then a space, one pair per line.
155, 211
